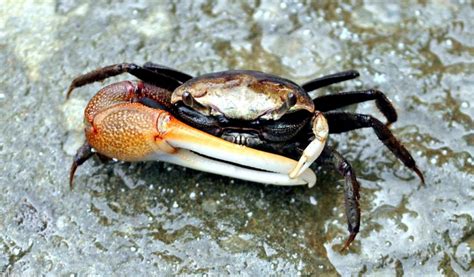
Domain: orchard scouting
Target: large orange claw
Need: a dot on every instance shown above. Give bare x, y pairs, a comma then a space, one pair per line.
129, 131
134, 132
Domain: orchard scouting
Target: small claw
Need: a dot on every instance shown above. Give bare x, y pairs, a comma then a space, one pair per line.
314, 149
299, 167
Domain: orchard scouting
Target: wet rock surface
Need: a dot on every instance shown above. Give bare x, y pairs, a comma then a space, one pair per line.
158, 218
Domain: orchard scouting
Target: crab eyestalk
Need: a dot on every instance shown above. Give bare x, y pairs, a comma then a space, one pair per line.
290, 101
134, 132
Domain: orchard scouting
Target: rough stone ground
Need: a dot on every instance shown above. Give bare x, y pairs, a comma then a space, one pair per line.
157, 218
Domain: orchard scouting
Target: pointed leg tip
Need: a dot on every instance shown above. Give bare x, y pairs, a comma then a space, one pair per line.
355, 73
348, 242
69, 91
420, 175
71, 175
82, 155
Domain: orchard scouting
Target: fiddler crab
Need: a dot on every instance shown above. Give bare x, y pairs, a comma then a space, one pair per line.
243, 124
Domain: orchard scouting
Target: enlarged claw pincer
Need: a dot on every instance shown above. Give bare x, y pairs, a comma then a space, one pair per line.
130, 131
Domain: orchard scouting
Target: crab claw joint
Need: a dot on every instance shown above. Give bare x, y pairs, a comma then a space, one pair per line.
134, 132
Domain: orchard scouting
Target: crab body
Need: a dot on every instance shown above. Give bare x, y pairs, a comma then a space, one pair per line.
209, 122
245, 107
229, 93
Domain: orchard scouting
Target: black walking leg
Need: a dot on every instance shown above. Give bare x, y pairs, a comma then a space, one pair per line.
173, 73
335, 101
351, 190
329, 80
149, 75
340, 122
82, 155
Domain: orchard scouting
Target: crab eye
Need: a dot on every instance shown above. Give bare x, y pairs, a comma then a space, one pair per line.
291, 99
188, 99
